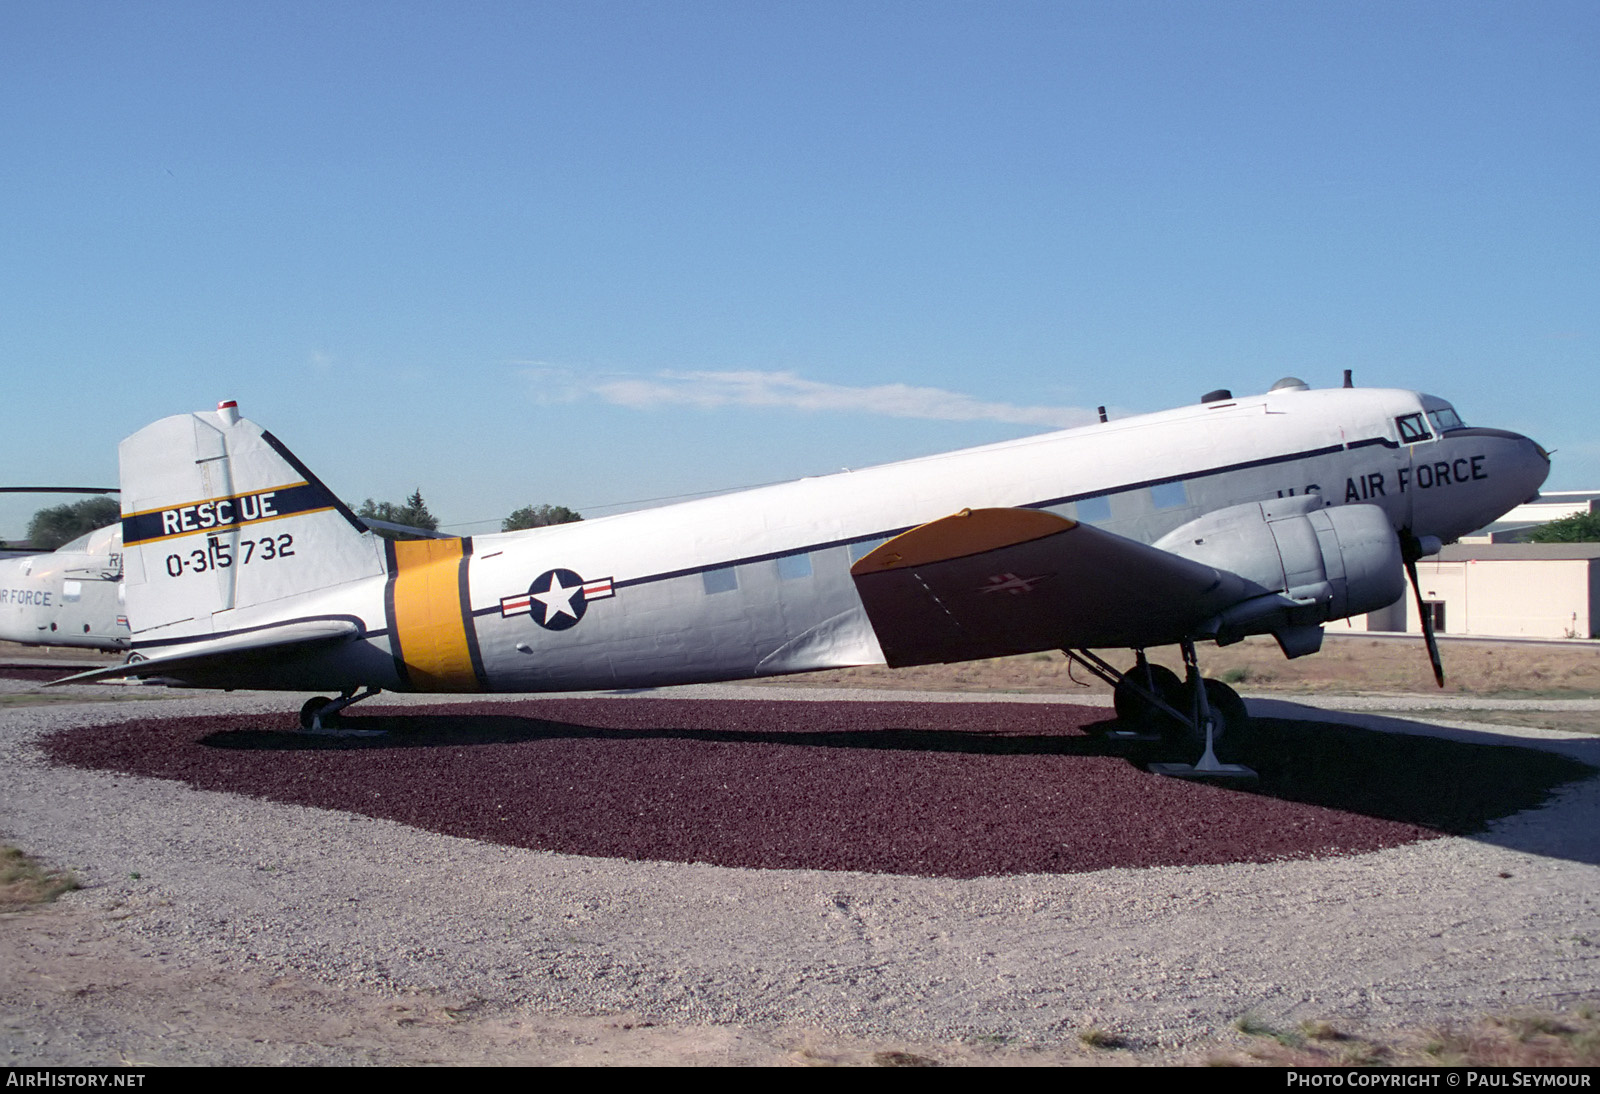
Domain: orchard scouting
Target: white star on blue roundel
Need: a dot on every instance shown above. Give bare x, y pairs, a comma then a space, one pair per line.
556, 599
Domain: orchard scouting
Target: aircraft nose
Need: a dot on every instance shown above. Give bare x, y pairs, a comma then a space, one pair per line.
1533, 463
1503, 470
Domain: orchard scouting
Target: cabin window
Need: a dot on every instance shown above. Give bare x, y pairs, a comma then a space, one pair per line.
720, 581
791, 567
1169, 495
1091, 510
71, 591
859, 551
1412, 428
1445, 419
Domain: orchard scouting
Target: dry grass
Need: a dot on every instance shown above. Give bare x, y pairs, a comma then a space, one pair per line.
902, 1059
24, 883
49, 698
90, 658
1095, 1037
1347, 665
1571, 721
1528, 1039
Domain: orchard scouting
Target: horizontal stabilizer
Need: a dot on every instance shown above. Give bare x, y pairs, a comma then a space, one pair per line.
993, 582
281, 640
404, 529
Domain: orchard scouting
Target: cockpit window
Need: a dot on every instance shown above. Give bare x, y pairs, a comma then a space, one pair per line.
1445, 418
1412, 428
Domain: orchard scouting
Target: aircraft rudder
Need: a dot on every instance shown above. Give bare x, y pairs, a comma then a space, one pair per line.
219, 514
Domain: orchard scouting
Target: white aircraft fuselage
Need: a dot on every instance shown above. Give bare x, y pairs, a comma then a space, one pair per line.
227, 550
68, 597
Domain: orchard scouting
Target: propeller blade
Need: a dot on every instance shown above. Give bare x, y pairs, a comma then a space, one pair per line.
1427, 620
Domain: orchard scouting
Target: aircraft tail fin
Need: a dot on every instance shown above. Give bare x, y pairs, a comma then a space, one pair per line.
218, 516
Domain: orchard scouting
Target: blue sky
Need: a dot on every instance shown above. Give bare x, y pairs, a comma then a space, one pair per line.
591, 253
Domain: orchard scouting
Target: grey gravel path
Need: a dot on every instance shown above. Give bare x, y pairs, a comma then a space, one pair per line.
1445, 929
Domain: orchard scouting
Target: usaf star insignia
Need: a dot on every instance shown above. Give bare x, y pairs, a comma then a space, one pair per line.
1011, 583
557, 599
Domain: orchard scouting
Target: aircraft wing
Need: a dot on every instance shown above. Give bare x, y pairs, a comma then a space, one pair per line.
993, 582
195, 658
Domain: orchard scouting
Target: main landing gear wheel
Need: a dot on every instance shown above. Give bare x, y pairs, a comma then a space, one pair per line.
1233, 717
1134, 707
1213, 705
312, 708
1192, 715
1229, 718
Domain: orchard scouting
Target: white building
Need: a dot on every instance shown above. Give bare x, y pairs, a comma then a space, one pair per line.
1532, 590
1548, 506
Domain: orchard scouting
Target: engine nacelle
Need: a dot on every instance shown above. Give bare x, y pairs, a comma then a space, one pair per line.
1312, 563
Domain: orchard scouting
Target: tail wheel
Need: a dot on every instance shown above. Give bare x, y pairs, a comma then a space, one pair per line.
1134, 706
313, 707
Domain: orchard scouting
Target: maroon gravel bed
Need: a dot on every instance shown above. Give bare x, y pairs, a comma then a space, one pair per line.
937, 789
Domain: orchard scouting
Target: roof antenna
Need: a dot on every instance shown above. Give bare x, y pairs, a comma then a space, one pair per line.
1347, 381
1102, 411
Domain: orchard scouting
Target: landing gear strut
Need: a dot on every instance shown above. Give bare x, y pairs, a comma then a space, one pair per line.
321, 715
1196, 712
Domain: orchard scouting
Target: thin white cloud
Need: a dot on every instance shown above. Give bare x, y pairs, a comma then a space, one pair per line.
713, 390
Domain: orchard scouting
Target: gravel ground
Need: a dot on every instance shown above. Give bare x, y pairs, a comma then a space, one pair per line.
1166, 957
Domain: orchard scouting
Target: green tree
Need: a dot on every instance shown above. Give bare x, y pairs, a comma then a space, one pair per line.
52, 527
413, 514
539, 516
1578, 528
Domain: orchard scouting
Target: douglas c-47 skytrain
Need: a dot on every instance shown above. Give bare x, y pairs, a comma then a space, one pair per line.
1267, 514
